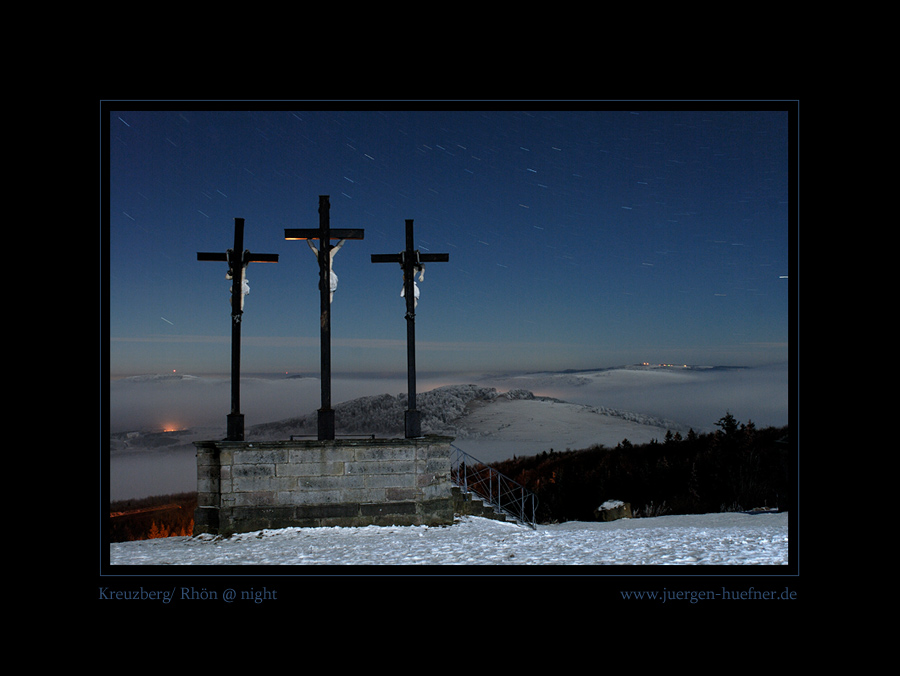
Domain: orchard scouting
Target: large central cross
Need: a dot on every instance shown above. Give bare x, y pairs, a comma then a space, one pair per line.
237, 259
411, 260
324, 233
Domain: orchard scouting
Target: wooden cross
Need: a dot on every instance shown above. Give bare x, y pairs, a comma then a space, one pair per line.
237, 259
411, 260
324, 233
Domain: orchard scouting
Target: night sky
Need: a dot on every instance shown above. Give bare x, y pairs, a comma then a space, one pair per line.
612, 234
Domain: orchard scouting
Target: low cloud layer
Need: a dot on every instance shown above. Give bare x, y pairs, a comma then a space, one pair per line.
693, 397
687, 397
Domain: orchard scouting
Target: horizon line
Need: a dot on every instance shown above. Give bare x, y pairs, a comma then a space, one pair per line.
482, 373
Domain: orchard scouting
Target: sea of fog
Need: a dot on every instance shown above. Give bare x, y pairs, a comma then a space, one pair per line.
691, 397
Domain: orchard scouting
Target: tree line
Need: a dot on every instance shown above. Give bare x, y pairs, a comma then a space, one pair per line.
738, 467
158, 516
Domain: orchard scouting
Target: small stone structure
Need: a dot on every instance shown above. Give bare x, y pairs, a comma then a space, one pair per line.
246, 486
611, 510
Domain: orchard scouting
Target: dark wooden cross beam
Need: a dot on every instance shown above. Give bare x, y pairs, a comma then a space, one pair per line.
237, 259
324, 233
411, 260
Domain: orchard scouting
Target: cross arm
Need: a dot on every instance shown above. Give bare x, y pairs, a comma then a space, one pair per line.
247, 258
422, 258
260, 258
316, 233
386, 258
206, 256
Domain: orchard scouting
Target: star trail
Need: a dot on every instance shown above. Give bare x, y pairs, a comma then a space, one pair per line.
580, 236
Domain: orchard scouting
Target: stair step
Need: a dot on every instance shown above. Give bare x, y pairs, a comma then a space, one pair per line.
463, 462
478, 506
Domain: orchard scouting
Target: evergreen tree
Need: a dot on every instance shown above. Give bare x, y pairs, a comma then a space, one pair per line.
728, 423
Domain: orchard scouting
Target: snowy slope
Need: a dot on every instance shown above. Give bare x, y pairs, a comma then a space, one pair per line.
706, 539
500, 429
694, 396
493, 419
470, 411
487, 424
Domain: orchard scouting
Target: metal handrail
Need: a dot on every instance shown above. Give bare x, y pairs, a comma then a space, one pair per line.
501, 492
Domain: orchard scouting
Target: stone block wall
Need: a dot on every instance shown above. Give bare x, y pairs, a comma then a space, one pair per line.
245, 486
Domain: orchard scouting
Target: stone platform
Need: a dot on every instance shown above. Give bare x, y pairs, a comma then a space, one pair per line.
246, 486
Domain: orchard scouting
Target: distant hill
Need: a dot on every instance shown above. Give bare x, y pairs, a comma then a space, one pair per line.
458, 411
470, 412
383, 414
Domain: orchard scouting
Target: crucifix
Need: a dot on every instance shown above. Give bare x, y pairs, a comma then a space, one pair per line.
411, 261
327, 285
237, 258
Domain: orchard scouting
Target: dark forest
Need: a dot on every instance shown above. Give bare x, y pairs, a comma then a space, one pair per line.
738, 467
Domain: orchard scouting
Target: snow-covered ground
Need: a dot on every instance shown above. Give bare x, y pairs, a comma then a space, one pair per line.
703, 539
603, 406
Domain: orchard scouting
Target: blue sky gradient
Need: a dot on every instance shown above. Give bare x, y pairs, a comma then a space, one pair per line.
610, 234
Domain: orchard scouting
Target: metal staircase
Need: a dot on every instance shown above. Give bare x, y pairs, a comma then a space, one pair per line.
503, 494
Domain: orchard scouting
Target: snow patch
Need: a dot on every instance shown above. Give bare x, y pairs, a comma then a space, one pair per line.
700, 539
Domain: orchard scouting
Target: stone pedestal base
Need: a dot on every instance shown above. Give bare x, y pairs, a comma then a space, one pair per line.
247, 486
